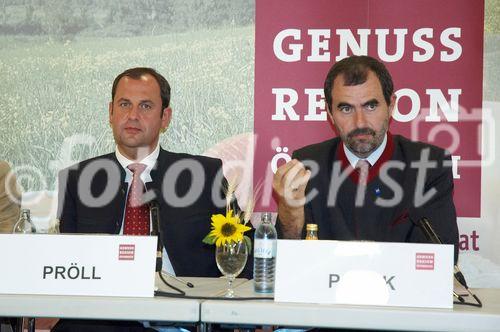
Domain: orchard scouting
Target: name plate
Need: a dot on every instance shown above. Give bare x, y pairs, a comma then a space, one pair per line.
369, 273
102, 265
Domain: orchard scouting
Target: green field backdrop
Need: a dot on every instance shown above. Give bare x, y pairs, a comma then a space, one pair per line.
54, 96
58, 59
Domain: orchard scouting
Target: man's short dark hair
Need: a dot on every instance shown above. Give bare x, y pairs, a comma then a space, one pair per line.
355, 71
136, 73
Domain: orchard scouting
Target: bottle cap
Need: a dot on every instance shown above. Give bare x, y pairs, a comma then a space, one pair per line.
266, 216
312, 227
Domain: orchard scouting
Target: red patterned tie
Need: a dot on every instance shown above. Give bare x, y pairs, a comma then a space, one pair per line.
136, 213
363, 166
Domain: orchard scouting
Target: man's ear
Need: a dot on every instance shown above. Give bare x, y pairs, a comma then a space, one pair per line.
165, 119
110, 110
392, 104
328, 111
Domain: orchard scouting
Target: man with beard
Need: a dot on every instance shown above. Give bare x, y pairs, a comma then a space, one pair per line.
365, 184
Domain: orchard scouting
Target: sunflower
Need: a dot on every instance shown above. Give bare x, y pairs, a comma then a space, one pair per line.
226, 229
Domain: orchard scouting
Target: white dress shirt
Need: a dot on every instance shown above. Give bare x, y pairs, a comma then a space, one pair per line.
149, 161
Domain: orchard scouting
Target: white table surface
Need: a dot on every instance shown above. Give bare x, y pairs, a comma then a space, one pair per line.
129, 308
267, 312
258, 312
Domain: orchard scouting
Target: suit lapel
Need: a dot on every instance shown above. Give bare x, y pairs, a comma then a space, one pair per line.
118, 203
336, 218
158, 171
165, 160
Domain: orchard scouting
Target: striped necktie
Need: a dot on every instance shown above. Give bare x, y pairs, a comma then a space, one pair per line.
136, 213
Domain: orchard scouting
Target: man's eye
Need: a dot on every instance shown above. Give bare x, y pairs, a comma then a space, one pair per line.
124, 104
371, 107
146, 106
345, 109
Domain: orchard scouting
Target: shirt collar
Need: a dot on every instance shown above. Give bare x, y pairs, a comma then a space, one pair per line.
372, 158
149, 161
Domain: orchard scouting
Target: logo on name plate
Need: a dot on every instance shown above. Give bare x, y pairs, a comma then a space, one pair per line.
126, 252
424, 261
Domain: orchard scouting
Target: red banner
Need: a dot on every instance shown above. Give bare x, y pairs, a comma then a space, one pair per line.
433, 49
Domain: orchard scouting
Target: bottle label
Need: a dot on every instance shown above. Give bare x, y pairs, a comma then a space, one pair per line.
264, 249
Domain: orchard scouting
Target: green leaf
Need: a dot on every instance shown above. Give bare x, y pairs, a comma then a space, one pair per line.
209, 239
248, 243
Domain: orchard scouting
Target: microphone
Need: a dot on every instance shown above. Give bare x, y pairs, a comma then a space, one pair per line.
433, 237
155, 221
182, 281
154, 208
428, 230
426, 227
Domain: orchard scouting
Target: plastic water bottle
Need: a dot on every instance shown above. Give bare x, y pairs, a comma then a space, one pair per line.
24, 224
264, 258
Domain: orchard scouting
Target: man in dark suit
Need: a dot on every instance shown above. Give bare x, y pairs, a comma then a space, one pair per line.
365, 184
109, 193
182, 226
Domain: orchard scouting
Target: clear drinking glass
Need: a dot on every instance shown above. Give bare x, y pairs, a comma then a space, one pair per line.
231, 259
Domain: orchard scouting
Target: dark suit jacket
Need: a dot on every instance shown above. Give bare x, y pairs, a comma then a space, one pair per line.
341, 220
182, 228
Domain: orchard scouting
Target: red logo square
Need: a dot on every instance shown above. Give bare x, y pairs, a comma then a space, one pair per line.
126, 252
424, 261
